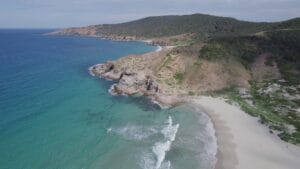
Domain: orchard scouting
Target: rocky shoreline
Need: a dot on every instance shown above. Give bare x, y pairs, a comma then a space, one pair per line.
90, 32
134, 74
232, 151
133, 81
139, 75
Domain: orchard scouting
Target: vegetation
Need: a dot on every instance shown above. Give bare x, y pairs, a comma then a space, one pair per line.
284, 45
227, 39
191, 93
166, 61
230, 39
205, 26
273, 109
287, 52
244, 48
179, 77
277, 108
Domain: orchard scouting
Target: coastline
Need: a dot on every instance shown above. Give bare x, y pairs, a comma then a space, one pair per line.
244, 143
151, 42
133, 76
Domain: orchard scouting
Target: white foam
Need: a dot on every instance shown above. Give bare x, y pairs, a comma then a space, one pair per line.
156, 158
147, 160
213, 146
160, 148
209, 137
108, 130
111, 90
153, 100
170, 131
90, 71
166, 165
159, 48
170, 121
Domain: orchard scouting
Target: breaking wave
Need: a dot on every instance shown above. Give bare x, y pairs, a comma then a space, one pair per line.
160, 148
155, 158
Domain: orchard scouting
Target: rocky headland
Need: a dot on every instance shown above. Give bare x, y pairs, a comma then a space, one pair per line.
134, 76
254, 66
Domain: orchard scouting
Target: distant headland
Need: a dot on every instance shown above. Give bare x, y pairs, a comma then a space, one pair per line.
255, 65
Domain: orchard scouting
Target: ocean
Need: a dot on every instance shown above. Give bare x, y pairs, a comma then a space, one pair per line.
54, 115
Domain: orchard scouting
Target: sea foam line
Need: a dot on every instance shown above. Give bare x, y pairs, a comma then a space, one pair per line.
111, 90
91, 71
210, 149
160, 148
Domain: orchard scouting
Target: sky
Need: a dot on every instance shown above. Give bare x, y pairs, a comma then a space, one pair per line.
74, 13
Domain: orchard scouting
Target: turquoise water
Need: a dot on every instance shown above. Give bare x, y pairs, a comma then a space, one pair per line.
54, 115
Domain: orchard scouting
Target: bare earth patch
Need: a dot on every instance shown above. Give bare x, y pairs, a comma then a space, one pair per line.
262, 71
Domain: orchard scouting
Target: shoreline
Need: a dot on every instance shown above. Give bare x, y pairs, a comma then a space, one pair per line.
146, 41
244, 143
134, 79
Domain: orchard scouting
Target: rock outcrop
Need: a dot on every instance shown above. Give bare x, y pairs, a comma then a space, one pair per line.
169, 75
134, 76
127, 82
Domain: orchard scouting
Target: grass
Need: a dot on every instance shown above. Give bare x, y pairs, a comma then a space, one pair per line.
214, 51
244, 49
204, 26
191, 93
179, 77
284, 46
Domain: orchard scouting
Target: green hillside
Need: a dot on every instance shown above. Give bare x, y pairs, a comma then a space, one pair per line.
284, 45
274, 101
203, 25
212, 51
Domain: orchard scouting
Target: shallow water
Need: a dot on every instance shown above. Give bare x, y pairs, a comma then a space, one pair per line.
55, 115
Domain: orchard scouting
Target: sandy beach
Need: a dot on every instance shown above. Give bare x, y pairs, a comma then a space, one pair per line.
244, 143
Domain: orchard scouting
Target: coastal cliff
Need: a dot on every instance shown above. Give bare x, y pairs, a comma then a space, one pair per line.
134, 76
169, 75
253, 64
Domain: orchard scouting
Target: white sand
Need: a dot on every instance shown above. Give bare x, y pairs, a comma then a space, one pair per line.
244, 143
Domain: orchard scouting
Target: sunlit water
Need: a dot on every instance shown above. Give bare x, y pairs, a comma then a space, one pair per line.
54, 115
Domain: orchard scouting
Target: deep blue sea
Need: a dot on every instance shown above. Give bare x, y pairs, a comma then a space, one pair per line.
54, 115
